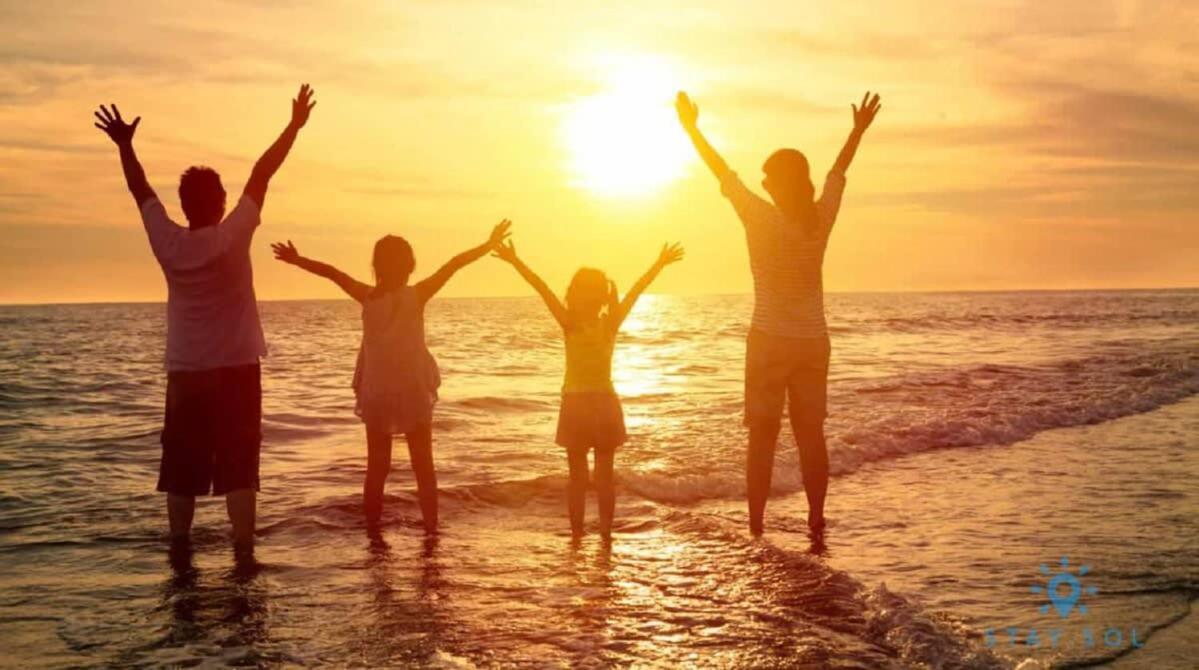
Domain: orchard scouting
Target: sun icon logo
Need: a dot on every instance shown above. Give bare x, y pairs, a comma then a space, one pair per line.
1064, 589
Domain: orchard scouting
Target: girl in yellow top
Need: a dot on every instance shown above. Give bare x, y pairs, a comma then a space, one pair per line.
591, 416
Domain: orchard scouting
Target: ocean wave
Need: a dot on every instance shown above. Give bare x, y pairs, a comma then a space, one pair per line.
496, 403
967, 407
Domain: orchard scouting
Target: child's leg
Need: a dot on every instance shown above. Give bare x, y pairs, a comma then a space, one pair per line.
420, 454
378, 466
605, 488
576, 489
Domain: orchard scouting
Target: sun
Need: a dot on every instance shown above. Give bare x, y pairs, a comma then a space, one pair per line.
624, 141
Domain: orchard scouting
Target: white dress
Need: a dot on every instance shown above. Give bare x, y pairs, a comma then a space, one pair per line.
396, 377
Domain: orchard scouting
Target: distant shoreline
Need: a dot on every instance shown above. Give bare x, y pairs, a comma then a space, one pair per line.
1131, 289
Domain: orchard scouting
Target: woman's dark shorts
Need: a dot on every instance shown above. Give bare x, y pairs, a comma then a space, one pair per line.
212, 432
785, 370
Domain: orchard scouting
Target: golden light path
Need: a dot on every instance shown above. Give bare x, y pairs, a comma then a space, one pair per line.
624, 141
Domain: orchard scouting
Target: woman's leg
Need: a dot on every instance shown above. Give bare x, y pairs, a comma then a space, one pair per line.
378, 466
420, 455
576, 489
605, 489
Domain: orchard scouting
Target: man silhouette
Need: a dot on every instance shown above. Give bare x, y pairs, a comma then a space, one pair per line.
787, 352
212, 427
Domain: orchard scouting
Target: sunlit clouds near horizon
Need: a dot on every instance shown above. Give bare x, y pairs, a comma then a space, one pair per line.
1021, 144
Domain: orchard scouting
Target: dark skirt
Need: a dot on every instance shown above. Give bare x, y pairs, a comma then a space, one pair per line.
591, 420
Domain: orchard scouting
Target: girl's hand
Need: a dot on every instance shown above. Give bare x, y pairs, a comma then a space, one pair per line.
687, 110
671, 253
499, 234
863, 115
301, 106
286, 252
505, 252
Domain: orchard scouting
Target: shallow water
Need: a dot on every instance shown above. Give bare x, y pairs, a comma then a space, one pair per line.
934, 494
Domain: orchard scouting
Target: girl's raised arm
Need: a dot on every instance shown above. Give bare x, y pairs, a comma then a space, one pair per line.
353, 288
671, 253
429, 287
507, 252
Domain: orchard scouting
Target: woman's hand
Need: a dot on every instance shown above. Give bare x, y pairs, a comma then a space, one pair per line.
499, 234
671, 253
286, 252
505, 252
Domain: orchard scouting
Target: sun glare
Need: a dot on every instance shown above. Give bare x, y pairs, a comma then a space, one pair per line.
624, 141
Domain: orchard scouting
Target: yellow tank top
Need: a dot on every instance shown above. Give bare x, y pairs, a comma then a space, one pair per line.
589, 358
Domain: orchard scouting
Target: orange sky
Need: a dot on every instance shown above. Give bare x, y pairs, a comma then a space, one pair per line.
1021, 144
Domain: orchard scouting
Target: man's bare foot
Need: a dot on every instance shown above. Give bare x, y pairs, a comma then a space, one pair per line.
816, 527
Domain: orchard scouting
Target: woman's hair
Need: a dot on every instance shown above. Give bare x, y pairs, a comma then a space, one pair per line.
588, 292
789, 171
393, 262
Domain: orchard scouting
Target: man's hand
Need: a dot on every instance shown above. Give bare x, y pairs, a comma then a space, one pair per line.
863, 116
505, 252
671, 253
688, 111
114, 126
286, 252
498, 235
301, 106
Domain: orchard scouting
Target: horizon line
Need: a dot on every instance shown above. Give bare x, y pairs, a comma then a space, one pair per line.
1128, 289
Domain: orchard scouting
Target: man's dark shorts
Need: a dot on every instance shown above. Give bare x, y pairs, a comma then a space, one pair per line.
212, 432
779, 369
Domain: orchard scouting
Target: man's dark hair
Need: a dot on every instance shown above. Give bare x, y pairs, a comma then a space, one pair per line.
202, 196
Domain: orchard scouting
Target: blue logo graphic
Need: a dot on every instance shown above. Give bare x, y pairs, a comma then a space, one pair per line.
1064, 589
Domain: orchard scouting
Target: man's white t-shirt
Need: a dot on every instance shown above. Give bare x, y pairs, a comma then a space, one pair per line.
212, 313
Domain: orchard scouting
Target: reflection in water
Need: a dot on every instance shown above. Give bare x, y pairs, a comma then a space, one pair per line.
591, 609
180, 594
233, 613
407, 629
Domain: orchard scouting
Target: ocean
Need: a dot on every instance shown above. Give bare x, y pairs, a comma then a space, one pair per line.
982, 446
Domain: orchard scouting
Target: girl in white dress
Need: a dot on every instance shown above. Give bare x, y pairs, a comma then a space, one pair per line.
396, 378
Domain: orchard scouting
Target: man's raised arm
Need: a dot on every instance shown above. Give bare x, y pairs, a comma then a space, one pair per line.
121, 133
862, 118
689, 118
270, 161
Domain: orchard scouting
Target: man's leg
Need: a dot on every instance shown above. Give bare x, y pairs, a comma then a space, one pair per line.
813, 460
759, 469
241, 505
181, 509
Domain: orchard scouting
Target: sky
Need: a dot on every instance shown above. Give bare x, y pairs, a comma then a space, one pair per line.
1020, 144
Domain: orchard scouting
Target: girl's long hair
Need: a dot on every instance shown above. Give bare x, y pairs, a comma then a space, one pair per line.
393, 262
589, 287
